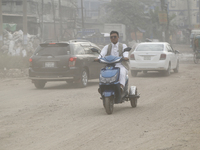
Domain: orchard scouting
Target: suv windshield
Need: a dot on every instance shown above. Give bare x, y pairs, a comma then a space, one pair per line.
52, 50
150, 47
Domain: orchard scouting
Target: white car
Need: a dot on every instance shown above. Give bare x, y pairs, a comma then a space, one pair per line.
154, 56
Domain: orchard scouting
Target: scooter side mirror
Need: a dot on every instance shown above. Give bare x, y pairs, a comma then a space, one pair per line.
127, 49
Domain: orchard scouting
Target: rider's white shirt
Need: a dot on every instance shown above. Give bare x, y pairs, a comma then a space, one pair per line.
114, 51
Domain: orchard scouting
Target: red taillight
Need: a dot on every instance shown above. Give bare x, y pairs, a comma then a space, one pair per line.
31, 61
163, 56
72, 61
132, 57
52, 43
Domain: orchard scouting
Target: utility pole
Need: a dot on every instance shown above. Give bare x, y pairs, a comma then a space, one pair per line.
54, 18
167, 29
25, 23
199, 11
82, 17
42, 31
188, 7
1, 25
60, 14
165, 23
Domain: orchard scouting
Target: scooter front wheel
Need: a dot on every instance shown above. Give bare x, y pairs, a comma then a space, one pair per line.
108, 104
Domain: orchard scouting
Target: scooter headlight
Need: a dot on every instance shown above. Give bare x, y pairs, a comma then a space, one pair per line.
113, 79
102, 79
108, 80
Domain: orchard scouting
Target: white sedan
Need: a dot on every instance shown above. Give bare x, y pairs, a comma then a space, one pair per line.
154, 56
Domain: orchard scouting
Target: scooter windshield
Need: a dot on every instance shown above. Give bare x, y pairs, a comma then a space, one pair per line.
110, 59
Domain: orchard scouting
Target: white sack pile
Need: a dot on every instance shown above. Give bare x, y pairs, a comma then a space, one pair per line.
13, 43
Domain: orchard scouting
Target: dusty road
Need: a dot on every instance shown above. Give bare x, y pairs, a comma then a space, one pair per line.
61, 117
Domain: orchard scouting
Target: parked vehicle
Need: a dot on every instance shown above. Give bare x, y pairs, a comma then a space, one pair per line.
109, 86
196, 49
154, 56
193, 34
70, 61
196, 57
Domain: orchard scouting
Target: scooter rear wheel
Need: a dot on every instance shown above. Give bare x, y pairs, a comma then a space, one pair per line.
134, 100
109, 103
196, 59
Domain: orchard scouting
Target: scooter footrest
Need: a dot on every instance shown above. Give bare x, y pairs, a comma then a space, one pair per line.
134, 96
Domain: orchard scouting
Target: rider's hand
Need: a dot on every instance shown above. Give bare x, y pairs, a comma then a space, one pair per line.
125, 58
96, 60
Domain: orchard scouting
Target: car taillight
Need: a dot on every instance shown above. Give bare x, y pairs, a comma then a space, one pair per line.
132, 57
72, 61
163, 56
31, 61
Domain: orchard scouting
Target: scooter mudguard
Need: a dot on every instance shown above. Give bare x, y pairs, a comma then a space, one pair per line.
108, 93
132, 91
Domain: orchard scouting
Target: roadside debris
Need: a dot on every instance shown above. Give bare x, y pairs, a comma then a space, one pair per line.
13, 43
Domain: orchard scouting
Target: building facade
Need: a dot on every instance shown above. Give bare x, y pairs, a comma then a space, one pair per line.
91, 8
53, 16
186, 11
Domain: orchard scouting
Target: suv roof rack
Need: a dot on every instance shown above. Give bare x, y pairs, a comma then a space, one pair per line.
70, 41
55, 41
50, 41
78, 40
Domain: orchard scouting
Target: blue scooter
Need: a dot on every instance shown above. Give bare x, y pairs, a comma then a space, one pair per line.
109, 86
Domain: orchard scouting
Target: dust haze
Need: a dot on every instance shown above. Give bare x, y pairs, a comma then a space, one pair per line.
64, 116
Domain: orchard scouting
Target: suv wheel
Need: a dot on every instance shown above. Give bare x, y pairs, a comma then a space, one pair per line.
84, 78
134, 73
39, 84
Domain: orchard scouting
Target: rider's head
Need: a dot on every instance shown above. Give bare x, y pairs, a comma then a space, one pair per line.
114, 37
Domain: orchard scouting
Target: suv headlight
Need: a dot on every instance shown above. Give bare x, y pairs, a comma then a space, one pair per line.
108, 80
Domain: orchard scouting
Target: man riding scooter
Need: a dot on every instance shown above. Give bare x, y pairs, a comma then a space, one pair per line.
116, 49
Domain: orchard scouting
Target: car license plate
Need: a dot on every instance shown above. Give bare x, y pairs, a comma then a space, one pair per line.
49, 64
147, 57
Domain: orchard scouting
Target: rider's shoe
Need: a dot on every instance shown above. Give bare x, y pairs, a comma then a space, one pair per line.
121, 89
99, 90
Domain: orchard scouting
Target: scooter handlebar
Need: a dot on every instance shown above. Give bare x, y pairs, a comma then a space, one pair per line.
123, 59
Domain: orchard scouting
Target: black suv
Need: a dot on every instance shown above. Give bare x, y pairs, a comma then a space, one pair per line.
70, 61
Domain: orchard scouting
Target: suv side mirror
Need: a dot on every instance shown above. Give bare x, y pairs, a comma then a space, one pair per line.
127, 49
95, 50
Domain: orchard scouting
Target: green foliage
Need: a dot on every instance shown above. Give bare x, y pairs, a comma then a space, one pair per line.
132, 13
128, 12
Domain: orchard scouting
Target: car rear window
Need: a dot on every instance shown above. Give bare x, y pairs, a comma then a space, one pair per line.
53, 50
78, 49
150, 47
